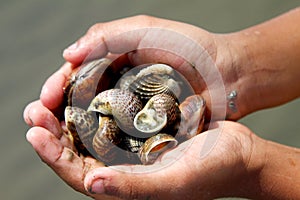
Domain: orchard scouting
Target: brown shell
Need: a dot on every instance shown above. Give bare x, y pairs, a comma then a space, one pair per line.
82, 125
122, 104
153, 93
88, 81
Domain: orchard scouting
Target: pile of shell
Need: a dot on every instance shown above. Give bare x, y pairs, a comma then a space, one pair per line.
149, 110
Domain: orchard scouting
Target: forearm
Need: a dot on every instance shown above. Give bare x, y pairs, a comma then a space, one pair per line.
280, 176
266, 63
272, 172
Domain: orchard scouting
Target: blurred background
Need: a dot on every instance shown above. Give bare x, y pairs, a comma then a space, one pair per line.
33, 36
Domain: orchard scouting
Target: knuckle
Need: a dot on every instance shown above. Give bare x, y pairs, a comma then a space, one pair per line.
94, 28
145, 19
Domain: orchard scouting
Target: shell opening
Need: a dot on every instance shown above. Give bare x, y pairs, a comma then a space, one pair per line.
156, 145
148, 121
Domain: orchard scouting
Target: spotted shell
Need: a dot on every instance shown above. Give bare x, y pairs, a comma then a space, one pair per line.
82, 125
154, 146
160, 110
122, 104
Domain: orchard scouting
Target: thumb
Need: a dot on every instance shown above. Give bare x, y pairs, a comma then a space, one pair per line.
126, 183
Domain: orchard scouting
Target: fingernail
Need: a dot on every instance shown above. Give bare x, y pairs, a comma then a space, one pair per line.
97, 187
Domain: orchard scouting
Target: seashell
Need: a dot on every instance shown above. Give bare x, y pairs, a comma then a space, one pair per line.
147, 86
156, 69
122, 104
160, 110
154, 146
82, 125
133, 144
107, 136
106, 140
126, 81
192, 111
89, 80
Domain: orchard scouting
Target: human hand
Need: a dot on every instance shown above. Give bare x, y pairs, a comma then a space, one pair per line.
224, 50
228, 160
147, 39
193, 170
192, 175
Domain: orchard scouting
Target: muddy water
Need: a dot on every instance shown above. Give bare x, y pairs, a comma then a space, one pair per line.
33, 34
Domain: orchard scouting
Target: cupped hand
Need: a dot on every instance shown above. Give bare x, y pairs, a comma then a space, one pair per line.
55, 147
202, 57
197, 168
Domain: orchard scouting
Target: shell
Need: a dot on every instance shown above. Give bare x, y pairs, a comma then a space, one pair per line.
192, 112
147, 86
133, 144
109, 145
82, 125
126, 131
113, 146
122, 104
91, 78
156, 69
154, 146
160, 110
106, 139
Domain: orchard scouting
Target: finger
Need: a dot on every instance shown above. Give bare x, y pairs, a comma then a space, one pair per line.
69, 166
98, 36
35, 114
143, 181
125, 185
52, 92
62, 160
125, 35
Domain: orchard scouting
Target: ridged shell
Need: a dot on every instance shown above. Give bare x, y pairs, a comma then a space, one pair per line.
156, 69
192, 112
154, 146
122, 104
147, 86
82, 125
160, 110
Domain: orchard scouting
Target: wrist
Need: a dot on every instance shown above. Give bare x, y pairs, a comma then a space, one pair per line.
233, 60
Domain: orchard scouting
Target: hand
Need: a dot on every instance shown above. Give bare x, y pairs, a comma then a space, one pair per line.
229, 53
147, 39
228, 160
200, 171
193, 175
56, 149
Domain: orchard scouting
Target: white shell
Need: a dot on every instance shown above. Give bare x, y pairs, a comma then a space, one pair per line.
155, 115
